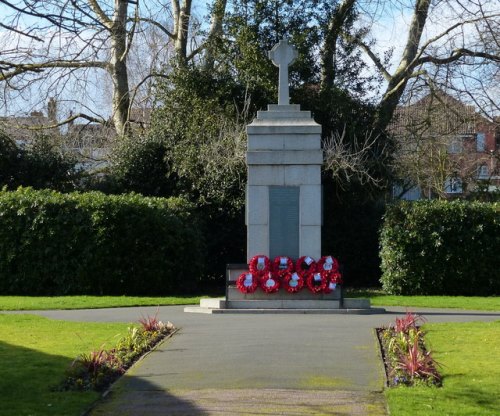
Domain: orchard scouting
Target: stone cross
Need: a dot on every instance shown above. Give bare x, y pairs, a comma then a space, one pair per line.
282, 55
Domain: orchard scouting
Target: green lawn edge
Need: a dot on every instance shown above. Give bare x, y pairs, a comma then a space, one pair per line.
376, 296
379, 298
27, 303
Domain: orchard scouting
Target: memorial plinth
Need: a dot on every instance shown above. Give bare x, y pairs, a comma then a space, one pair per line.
283, 198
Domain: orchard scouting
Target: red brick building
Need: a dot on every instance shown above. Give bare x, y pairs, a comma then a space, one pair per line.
445, 149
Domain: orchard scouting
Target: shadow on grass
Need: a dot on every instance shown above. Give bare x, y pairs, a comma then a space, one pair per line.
474, 398
29, 381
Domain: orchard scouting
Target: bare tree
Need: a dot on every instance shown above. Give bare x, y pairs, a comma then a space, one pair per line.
66, 45
440, 36
352, 160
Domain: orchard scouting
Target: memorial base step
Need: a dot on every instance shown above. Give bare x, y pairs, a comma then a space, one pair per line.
221, 305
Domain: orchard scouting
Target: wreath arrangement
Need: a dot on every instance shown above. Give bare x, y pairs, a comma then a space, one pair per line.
292, 282
269, 282
322, 276
259, 264
282, 265
316, 282
304, 265
247, 282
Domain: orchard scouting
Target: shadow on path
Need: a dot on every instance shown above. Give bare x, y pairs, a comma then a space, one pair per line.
147, 400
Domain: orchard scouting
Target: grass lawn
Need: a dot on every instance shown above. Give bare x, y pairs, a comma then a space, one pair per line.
380, 298
470, 357
25, 303
34, 353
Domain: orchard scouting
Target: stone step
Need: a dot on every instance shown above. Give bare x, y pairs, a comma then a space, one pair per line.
283, 304
234, 294
341, 311
221, 303
273, 115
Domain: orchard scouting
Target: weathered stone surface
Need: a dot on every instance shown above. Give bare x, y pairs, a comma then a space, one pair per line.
257, 240
285, 157
310, 241
266, 175
283, 126
257, 205
310, 205
283, 304
305, 294
296, 175
284, 142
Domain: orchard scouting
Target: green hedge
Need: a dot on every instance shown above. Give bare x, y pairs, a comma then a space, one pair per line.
91, 243
441, 248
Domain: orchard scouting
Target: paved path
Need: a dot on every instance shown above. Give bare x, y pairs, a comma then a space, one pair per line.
257, 364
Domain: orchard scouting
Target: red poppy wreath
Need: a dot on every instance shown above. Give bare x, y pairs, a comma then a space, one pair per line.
292, 282
282, 265
259, 264
316, 282
304, 265
332, 279
269, 283
327, 264
247, 282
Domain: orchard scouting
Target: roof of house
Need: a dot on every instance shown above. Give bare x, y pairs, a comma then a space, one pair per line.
436, 114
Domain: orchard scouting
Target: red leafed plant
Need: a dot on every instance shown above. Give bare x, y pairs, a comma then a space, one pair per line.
152, 323
409, 321
417, 364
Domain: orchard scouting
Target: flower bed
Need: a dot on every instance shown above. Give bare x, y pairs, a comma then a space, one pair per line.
98, 369
407, 361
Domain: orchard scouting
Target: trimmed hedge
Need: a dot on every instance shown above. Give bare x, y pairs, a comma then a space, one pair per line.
91, 243
441, 248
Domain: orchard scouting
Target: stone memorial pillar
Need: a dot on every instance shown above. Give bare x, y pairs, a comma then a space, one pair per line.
284, 158
283, 205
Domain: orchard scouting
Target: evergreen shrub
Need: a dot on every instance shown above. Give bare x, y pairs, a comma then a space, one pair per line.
441, 248
91, 243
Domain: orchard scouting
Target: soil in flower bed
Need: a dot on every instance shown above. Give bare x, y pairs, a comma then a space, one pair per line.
406, 359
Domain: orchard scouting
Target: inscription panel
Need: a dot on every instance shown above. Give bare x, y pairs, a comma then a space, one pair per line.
284, 214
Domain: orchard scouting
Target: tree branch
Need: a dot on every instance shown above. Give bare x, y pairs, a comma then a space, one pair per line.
39, 67
158, 25
373, 57
20, 32
103, 18
455, 56
67, 121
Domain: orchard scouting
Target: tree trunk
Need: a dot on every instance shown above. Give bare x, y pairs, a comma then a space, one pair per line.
215, 33
404, 72
329, 49
118, 68
182, 16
